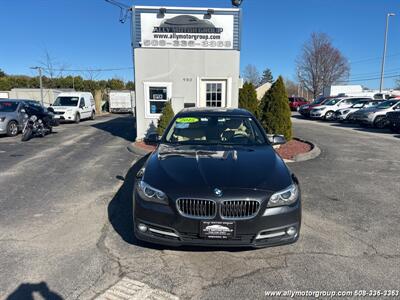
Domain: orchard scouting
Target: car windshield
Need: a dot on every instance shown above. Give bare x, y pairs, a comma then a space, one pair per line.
332, 102
212, 130
319, 100
8, 106
66, 101
387, 104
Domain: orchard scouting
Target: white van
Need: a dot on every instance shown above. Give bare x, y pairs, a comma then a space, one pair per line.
74, 106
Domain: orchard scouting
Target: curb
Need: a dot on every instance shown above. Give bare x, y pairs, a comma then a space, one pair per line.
138, 151
315, 152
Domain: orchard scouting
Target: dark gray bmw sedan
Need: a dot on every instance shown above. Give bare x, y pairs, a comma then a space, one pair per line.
215, 180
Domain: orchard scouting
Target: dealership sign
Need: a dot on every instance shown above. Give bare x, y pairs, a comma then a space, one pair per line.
193, 31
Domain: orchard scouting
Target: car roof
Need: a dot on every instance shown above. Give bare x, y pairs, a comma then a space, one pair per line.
212, 111
73, 94
14, 100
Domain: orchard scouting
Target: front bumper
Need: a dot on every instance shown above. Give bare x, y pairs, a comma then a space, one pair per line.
317, 114
64, 115
3, 128
341, 117
167, 226
363, 119
304, 112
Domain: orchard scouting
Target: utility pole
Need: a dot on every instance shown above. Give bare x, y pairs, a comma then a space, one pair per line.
384, 50
41, 83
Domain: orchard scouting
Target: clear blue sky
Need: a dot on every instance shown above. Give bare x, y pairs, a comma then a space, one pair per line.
86, 34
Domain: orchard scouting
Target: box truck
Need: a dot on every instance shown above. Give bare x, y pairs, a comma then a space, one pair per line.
122, 101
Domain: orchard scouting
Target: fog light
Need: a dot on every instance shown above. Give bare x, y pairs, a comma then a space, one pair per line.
291, 231
142, 227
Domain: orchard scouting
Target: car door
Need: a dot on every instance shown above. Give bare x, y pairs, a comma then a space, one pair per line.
84, 109
21, 113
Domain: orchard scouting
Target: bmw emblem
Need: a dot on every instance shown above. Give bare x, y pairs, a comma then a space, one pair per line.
218, 192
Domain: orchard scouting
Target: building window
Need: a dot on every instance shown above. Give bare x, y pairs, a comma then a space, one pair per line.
214, 94
156, 95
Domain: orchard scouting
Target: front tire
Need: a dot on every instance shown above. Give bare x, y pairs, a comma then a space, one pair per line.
77, 118
329, 116
12, 128
26, 134
380, 122
93, 116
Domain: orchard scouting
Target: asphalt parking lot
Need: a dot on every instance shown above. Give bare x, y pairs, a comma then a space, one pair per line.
66, 220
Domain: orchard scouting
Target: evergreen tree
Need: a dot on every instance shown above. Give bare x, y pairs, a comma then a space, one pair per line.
167, 115
130, 85
248, 98
267, 77
275, 112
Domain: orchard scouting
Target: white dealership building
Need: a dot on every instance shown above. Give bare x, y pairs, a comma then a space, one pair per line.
189, 56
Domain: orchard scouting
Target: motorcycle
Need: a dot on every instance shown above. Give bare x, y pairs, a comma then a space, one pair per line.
38, 124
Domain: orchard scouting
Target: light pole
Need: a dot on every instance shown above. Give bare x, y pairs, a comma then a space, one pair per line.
41, 82
384, 50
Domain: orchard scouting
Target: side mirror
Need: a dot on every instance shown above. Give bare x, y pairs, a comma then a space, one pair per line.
51, 104
278, 140
140, 173
152, 139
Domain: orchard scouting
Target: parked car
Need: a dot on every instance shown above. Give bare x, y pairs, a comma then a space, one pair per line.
344, 114
327, 110
206, 185
74, 106
296, 102
394, 121
11, 116
304, 110
376, 116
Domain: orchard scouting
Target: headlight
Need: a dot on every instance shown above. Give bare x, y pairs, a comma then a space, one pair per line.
2, 119
149, 193
33, 118
285, 197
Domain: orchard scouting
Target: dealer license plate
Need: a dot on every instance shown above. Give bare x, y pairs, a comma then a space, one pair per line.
217, 229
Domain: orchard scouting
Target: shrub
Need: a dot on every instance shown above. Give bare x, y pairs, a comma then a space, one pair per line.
167, 115
275, 111
248, 98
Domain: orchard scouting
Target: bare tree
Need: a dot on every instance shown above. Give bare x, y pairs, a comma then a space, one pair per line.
291, 87
51, 68
251, 75
321, 64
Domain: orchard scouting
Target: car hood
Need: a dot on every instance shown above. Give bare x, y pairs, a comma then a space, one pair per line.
369, 110
198, 169
320, 107
350, 109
